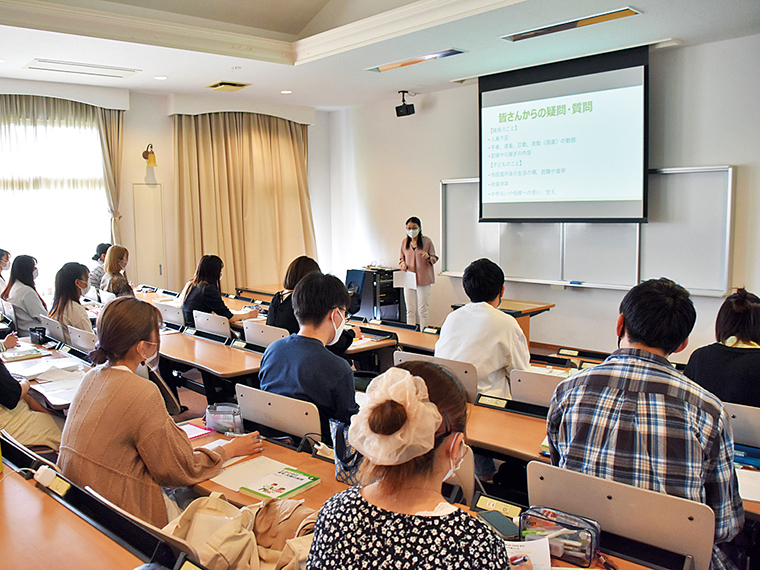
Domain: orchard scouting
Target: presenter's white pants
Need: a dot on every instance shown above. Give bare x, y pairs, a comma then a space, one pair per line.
417, 300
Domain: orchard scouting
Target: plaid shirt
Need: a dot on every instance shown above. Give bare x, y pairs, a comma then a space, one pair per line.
636, 420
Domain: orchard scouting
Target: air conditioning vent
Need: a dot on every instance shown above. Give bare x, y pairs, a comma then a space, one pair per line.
227, 86
80, 68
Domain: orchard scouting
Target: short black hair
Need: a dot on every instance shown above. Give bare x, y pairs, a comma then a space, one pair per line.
316, 295
483, 280
658, 313
739, 316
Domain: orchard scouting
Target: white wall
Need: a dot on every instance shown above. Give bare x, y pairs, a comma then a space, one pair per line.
384, 169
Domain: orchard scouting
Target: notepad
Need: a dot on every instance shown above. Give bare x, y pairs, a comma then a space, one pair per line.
23, 353
262, 477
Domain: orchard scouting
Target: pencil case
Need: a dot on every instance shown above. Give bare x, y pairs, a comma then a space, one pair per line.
224, 418
572, 538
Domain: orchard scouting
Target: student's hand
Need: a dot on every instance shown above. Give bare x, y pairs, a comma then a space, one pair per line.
357, 331
252, 314
249, 444
11, 340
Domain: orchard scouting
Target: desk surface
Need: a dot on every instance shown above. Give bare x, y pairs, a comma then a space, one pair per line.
509, 433
36, 531
213, 357
412, 339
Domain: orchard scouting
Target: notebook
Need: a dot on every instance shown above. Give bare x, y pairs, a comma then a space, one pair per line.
262, 477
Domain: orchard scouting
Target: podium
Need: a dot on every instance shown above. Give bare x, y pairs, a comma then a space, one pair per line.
379, 298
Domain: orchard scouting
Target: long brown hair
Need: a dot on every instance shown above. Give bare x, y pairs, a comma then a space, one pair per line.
114, 254
386, 418
123, 323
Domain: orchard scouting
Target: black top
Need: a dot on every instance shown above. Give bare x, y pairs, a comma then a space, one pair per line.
280, 314
206, 298
10, 389
732, 374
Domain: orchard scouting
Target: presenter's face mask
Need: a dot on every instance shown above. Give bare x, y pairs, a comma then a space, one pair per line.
413, 233
338, 329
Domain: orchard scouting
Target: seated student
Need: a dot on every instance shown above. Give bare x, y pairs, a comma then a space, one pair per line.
300, 366
25, 418
70, 285
479, 333
634, 419
118, 437
730, 368
280, 313
203, 293
5, 264
411, 433
22, 294
114, 281
96, 275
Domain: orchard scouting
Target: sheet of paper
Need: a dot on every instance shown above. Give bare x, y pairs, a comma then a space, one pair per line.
195, 431
536, 550
405, 279
59, 393
749, 484
247, 472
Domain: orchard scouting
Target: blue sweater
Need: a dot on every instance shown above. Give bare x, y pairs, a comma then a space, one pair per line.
302, 368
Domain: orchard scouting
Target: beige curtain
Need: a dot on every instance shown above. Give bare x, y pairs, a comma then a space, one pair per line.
111, 127
243, 195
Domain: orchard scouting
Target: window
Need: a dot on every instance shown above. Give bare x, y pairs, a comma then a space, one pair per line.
52, 190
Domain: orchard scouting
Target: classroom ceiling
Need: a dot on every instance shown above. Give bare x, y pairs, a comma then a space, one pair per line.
320, 49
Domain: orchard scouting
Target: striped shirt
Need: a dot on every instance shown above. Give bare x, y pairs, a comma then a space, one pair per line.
636, 420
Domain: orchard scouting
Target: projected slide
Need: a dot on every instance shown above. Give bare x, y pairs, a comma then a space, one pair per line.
582, 147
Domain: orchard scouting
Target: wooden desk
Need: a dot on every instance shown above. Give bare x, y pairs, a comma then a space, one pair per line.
419, 341
522, 311
209, 356
506, 433
266, 291
36, 531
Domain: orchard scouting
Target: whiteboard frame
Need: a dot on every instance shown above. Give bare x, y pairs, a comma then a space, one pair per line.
728, 251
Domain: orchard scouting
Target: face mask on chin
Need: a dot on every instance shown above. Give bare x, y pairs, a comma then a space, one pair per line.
338, 330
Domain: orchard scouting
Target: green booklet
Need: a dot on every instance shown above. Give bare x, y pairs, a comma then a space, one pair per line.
263, 477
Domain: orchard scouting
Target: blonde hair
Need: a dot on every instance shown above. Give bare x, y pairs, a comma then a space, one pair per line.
114, 254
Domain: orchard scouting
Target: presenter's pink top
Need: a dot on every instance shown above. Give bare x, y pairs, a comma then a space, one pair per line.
416, 263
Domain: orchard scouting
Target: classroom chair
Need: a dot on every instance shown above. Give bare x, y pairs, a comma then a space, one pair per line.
171, 315
172, 402
745, 422
282, 413
83, 340
674, 524
212, 324
261, 334
465, 477
462, 371
53, 329
106, 296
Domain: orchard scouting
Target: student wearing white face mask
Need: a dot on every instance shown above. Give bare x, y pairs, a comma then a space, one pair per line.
114, 281
417, 256
300, 366
22, 294
5, 264
411, 434
71, 282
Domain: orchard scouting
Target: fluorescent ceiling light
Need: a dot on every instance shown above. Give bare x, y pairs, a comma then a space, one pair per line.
414, 60
80, 68
286, 92
561, 27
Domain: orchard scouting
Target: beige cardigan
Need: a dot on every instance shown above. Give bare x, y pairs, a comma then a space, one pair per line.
120, 440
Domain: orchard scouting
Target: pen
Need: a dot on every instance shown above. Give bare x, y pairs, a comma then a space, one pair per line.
517, 560
608, 565
233, 434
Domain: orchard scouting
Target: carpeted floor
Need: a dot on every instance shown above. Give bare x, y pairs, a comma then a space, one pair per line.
196, 404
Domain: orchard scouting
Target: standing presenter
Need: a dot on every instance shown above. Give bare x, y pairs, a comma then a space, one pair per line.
418, 256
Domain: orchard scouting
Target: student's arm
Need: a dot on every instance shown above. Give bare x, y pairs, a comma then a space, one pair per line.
10, 390
519, 351
79, 318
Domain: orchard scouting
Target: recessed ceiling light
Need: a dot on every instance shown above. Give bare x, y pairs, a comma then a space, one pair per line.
580, 22
286, 92
414, 60
161, 78
2, 61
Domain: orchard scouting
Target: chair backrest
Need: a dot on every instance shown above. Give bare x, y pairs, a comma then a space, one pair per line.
53, 328
261, 334
745, 422
289, 415
214, 324
171, 313
463, 371
172, 403
533, 387
8, 312
106, 296
465, 476
83, 340
665, 521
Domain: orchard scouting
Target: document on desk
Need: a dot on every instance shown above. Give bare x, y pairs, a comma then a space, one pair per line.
58, 387
406, 279
262, 477
749, 484
47, 364
537, 551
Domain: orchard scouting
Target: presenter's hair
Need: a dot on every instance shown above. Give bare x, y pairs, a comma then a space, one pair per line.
299, 268
658, 313
445, 391
123, 323
316, 295
66, 289
739, 316
114, 255
483, 280
100, 250
414, 220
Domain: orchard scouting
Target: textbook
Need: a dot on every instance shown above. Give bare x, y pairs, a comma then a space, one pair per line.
263, 477
24, 353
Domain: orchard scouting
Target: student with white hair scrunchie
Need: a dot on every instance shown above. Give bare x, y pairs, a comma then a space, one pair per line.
411, 434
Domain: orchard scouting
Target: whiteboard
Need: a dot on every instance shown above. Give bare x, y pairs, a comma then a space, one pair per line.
687, 238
